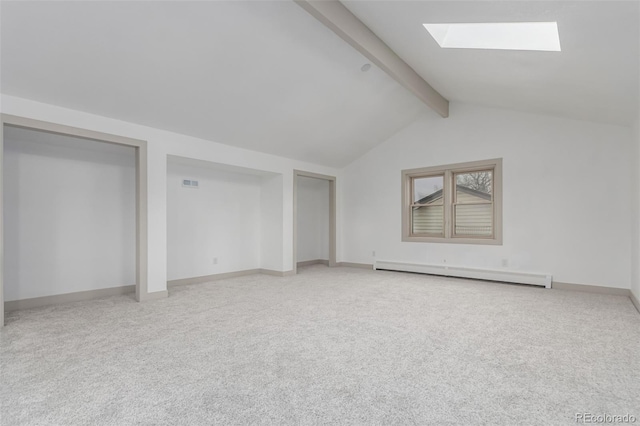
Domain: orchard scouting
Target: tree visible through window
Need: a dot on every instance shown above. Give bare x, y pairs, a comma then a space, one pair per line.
473, 204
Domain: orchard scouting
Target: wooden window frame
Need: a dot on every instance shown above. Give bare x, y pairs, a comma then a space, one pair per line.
413, 204
449, 172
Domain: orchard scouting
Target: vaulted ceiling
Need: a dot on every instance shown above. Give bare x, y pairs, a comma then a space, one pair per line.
595, 76
259, 75
269, 77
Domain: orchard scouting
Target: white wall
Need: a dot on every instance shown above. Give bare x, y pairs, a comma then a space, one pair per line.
313, 219
220, 219
271, 231
567, 186
160, 144
635, 211
69, 215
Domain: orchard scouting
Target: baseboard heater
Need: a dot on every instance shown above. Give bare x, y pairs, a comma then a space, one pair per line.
464, 272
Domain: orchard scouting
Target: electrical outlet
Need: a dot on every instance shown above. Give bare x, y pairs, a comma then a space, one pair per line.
505, 262
214, 261
373, 253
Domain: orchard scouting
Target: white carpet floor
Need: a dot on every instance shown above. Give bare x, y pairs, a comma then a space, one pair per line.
328, 346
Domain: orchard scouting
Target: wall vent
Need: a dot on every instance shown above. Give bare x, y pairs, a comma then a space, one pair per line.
188, 183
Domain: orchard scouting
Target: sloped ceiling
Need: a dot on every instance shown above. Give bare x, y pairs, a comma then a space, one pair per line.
269, 77
595, 76
259, 75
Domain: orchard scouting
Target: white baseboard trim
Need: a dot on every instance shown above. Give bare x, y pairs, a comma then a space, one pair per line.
156, 295
226, 275
591, 289
343, 264
313, 262
213, 277
508, 276
635, 301
277, 273
38, 302
356, 265
56, 299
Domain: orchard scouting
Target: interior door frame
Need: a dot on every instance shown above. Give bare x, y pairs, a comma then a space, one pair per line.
141, 190
332, 215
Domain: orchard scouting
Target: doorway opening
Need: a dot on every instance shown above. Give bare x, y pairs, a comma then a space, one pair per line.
314, 219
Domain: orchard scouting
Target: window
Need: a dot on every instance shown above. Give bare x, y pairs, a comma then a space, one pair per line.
456, 203
542, 36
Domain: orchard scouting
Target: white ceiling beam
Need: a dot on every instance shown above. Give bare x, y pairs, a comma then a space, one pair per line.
352, 30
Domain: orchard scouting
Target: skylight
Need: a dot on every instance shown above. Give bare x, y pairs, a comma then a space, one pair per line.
504, 36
